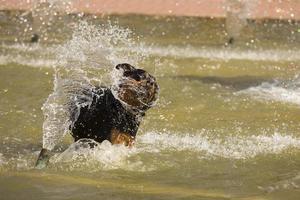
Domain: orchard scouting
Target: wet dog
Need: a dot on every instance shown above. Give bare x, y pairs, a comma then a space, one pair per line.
115, 113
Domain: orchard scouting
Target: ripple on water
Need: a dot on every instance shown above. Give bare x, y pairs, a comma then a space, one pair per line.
45, 53
155, 150
2, 161
224, 53
277, 91
26, 61
108, 157
232, 147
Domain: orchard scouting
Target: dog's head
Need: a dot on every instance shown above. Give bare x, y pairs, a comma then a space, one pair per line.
136, 87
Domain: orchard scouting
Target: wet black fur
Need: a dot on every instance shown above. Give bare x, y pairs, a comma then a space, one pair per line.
105, 113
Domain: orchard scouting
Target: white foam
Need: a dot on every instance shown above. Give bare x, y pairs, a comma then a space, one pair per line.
276, 92
232, 147
205, 145
79, 156
104, 156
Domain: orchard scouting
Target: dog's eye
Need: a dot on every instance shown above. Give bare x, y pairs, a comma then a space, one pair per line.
127, 73
141, 73
136, 77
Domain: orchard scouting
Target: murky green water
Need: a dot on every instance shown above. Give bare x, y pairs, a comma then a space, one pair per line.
226, 125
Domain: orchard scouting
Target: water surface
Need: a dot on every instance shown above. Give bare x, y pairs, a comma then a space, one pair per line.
226, 125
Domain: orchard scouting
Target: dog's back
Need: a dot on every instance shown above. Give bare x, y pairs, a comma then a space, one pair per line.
105, 113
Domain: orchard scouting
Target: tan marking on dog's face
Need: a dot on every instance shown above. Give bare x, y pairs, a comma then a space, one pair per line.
117, 137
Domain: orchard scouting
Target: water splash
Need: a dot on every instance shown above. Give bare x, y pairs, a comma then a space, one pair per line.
86, 61
237, 12
104, 156
231, 147
107, 157
152, 148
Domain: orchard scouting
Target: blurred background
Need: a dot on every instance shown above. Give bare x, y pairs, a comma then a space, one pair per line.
235, 12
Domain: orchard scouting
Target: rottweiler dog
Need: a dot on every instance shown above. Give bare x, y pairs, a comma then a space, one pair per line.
115, 113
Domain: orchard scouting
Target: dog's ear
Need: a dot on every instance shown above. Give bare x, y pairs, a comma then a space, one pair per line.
125, 67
